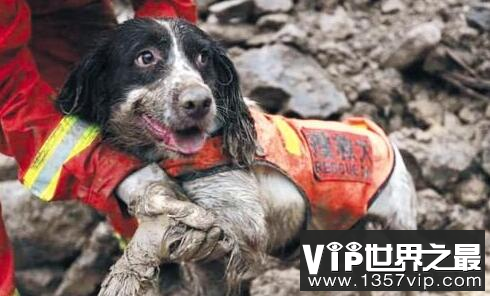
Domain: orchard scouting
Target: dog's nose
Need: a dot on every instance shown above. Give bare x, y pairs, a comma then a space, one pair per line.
196, 102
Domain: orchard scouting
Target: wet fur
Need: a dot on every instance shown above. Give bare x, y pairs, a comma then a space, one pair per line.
259, 210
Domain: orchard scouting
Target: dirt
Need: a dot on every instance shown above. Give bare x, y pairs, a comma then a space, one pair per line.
420, 68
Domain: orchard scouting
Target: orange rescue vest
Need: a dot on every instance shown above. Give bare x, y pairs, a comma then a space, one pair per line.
339, 167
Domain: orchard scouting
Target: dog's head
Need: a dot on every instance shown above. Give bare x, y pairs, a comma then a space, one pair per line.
160, 86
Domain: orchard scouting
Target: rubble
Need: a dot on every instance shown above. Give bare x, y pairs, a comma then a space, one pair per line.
39, 281
426, 111
272, 6
272, 73
442, 154
96, 258
479, 17
273, 21
229, 34
392, 6
293, 35
338, 25
485, 152
44, 233
472, 191
462, 218
432, 210
236, 10
417, 42
8, 168
203, 5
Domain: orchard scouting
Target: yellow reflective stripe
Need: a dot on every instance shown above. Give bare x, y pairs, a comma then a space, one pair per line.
86, 139
47, 150
16, 293
291, 139
123, 243
69, 138
48, 193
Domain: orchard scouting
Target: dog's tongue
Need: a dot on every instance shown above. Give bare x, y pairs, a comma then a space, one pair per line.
188, 143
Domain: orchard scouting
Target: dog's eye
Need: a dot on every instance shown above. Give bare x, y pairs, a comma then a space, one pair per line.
202, 58
146, 58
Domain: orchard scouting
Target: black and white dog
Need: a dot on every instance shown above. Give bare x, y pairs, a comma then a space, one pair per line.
159, 87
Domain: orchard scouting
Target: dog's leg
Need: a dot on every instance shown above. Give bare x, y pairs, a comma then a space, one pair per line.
395, 207
234, 198
159, 238
135, 273
285, 206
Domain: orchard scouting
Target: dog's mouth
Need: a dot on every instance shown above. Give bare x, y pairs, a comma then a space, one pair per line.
185, 141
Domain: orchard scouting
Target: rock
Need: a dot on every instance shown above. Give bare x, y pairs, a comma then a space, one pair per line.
92, 264
277, 100
276, 282
8, 168
44, 233
278, 71
262, 39
479, 17
384, 87
229, 34
273, 21
392, 6
38, 281
426, 111
466, 219
338, 26
471, 113
437, 61
123, 10
414, 46
472, 191
442, 154
292, 35
485, 154
203, 5
232, 10
272, 6
432, 210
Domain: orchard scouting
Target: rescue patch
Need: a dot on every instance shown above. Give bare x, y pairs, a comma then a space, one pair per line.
340, 156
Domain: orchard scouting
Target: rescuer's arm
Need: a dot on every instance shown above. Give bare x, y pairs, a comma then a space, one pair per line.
185, 9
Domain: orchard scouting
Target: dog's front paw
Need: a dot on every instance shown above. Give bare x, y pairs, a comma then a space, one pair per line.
185, 244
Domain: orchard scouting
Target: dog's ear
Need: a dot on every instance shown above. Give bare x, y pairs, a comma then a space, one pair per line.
84, 92
239, 135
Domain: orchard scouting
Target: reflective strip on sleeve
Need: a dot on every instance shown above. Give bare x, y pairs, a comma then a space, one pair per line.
16, 293
123, 243
70, 137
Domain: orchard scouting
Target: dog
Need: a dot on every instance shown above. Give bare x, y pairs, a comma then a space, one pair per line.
163, 90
